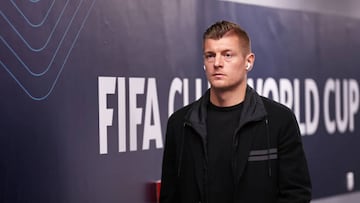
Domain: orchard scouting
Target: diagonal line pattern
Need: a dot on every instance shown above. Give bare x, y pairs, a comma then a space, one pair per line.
53, 83
27, 20
54, 55
41, 48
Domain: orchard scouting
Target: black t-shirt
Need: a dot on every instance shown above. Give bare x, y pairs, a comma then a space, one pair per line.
221, 125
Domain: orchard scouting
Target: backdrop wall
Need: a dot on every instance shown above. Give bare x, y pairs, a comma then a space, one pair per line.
86, 88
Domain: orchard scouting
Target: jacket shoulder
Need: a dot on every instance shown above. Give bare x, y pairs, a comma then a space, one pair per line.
180, 114
276, 109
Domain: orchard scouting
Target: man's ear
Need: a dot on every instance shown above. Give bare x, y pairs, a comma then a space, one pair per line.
250, 59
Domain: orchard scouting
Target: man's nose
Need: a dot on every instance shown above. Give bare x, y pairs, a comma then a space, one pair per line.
218, 61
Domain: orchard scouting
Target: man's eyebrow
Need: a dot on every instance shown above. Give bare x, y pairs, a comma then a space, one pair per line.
225, 50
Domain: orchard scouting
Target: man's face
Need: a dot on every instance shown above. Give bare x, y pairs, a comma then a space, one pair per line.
225, 63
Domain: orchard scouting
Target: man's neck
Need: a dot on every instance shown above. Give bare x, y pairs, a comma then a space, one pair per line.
225, 98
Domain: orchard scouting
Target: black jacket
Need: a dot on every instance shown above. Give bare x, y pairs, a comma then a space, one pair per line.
269, 163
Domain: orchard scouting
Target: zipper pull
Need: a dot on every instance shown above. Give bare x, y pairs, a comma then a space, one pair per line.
186, 123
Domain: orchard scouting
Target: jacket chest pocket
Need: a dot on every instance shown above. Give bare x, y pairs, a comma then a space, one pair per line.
262, 154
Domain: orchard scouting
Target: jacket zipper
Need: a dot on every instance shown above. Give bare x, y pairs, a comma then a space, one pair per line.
204, 198
182, 148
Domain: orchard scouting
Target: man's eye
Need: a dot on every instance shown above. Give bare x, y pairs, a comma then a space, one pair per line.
210, 57
228, 55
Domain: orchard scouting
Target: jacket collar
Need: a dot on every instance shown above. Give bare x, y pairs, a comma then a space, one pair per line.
254, 109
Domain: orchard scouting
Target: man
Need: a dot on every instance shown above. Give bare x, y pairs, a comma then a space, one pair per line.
233, 145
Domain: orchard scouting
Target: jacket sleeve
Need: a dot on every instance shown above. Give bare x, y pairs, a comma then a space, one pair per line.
294, 178
169, 168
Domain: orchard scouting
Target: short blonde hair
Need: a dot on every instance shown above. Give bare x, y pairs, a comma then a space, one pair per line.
224, 28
